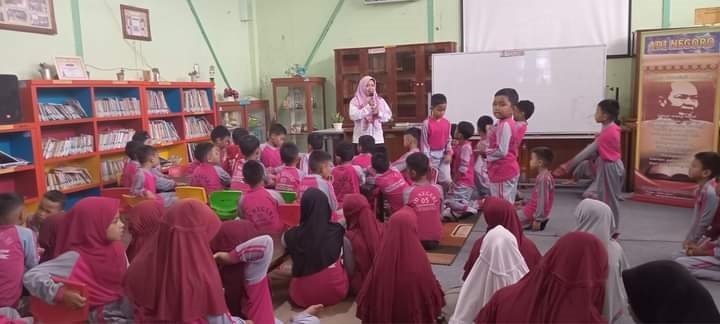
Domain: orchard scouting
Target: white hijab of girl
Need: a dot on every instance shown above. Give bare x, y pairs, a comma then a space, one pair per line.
499, 265
596, 217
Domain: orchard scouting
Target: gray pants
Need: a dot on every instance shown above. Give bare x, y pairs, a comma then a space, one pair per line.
609, 181
459, 199
702, 267
505, 190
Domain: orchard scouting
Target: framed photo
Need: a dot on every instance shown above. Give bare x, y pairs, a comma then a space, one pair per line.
135, 23
70, 68
34, 16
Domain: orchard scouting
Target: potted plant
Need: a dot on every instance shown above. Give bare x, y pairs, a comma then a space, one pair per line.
338, 121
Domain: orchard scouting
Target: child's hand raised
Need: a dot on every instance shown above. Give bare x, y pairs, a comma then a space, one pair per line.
73, 299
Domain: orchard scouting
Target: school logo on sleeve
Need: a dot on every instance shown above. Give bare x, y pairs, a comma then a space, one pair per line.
4, 254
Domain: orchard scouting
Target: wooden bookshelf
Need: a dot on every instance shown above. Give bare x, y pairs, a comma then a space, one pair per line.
24, 139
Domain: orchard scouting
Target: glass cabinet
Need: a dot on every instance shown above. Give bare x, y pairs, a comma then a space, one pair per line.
299, 105
252, 115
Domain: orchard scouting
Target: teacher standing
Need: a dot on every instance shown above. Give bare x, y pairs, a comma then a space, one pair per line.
368, 111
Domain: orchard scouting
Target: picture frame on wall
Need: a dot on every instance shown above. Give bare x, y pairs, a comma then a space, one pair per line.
70, 68
135, 23
33, 16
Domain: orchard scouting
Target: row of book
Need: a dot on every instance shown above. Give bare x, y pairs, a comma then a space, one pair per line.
196, 100
115, 138
197, 127
157, 103
111, 168
117, 107
191, 149
54, 148
163, 131
71, 109
62, 178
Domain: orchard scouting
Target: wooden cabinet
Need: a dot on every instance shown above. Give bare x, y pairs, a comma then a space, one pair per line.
299, 104
252, 115
403, 74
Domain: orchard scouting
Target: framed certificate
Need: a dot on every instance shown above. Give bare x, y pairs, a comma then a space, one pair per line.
135, 23
70, 68
34, 16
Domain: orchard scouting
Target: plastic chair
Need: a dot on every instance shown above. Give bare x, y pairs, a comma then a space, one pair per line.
289, 214
59, 313
289, 196
189, 192
225, 203
131, 200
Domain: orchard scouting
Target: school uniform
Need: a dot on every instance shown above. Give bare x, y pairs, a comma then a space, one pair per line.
482, 182
459, 199
347, 179
503, 167
316, 181
18, 254
363, 160
704, 267
541, 201
401, 163
364, 233
145, 180
211, 177
392, 184
288, 179
706, 204
427, 201
237, 182
229, 156
435, 142
260, 207
270, 157
129, 170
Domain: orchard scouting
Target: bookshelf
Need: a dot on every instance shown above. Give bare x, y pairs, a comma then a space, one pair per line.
65, 112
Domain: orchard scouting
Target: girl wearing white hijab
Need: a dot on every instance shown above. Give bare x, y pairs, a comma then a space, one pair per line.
499, 265
595, 217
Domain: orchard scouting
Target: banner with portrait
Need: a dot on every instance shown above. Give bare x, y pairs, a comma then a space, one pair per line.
677, 102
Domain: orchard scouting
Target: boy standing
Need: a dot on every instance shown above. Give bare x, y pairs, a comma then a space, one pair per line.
426, 199
534, 215
436, 140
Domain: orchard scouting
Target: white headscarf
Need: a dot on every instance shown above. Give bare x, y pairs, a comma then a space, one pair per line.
499, 265
596, 217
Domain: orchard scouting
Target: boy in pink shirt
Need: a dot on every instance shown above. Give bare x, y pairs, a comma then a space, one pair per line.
366, 147
250, 149
220, 137
503, 167
521, 114
411, 142
320, 177
131, 164
426, 199
18, 252
259, 205
459, 198
289, 176
534, 215
436, 138
233, 150
314, 143
146, 184
347, 178
270, 151
390, 182
208, 173
482, 182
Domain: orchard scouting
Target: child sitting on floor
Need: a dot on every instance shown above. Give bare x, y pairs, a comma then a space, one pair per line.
320, 177
390, 181
233, 150
145, 183
347, 178
411, 142
250, 149
53, 202
426, 199
259, 205
289, 176
208, 174
270, 151
365, 147
220, 137
703, 170
314, 143
18, 252
536, 212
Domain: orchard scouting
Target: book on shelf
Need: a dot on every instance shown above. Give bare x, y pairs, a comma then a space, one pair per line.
111, 168
157, 103
197, 127
163, 131
54, 148
71, 109
67, 177
191, 149
117, 107
111, 139
196, 100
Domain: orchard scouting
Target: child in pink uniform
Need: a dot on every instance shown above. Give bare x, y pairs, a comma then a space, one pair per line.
610, 169
52, 202
536, 212
270, 151
347, 178
521, 114
320, 177
250, 148
146, 184
314, 143
209, 174
259, 205
427, 201
18, 252
289, 176
482, 182
436, 138
390, 182
704, 168
459, 199
411, 142
220, 137
131, 163
503, 167
233, 150
365, 147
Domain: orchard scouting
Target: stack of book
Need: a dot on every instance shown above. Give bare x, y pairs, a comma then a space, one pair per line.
191, 149
115, 138
197, 127
163, 131
111, 168
157, 103
71, 109
117, 107
62, 178
54, 148
196, 100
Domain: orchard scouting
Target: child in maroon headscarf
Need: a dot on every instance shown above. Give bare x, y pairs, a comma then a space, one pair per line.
364, 233
401, 287
89, 251
143, 221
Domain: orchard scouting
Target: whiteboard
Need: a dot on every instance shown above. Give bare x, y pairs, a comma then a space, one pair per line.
564, 83
508, 24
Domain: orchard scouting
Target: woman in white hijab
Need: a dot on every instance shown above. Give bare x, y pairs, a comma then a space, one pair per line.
595, 217
499, 265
